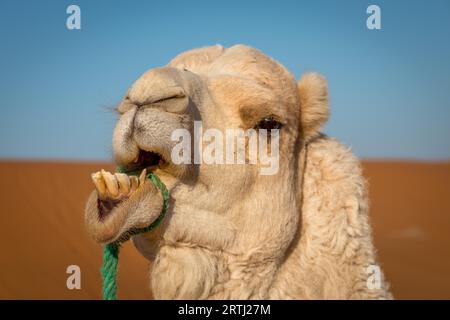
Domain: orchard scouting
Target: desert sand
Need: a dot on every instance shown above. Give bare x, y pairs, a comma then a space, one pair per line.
42, 231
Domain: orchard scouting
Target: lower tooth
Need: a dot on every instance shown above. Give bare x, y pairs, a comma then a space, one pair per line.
134, 183
142, 177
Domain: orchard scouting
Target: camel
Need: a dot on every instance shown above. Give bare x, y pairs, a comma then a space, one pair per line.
231, 232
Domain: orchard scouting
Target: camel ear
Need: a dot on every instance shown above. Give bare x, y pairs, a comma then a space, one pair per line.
313, 92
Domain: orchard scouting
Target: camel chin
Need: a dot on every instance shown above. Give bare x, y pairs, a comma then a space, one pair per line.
111, 208
231, 232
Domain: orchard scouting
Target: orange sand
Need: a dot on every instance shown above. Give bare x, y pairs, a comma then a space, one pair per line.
42, 231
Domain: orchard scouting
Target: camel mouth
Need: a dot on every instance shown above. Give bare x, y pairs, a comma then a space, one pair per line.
149, 160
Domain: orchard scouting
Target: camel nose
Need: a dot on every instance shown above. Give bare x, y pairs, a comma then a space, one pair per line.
161, 88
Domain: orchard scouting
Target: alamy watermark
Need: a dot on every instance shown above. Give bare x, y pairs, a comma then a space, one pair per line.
234, 146
73, 21
374, 277
373, 22
74, 279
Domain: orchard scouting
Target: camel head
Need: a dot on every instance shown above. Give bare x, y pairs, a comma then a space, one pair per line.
234, 228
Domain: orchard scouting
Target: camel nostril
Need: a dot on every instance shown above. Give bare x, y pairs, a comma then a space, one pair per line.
179, 96
171, 99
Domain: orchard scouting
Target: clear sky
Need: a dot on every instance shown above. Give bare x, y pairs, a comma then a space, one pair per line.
389, 88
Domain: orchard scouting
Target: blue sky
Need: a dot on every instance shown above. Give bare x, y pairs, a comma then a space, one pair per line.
389, 88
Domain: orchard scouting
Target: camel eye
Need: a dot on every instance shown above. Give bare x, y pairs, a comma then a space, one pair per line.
268, 123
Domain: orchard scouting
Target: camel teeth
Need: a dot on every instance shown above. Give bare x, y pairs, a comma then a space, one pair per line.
124, 182
134, 183
99, 183
142, 177
111, 183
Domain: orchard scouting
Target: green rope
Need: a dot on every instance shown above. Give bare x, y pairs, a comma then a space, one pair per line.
111, 250
109, 270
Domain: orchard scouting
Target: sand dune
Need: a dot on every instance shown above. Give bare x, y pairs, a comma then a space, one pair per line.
42, 231
410, 210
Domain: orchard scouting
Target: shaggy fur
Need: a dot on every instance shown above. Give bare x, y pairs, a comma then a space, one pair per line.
232, 233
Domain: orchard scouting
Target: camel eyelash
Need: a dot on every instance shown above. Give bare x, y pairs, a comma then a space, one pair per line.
269, 123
